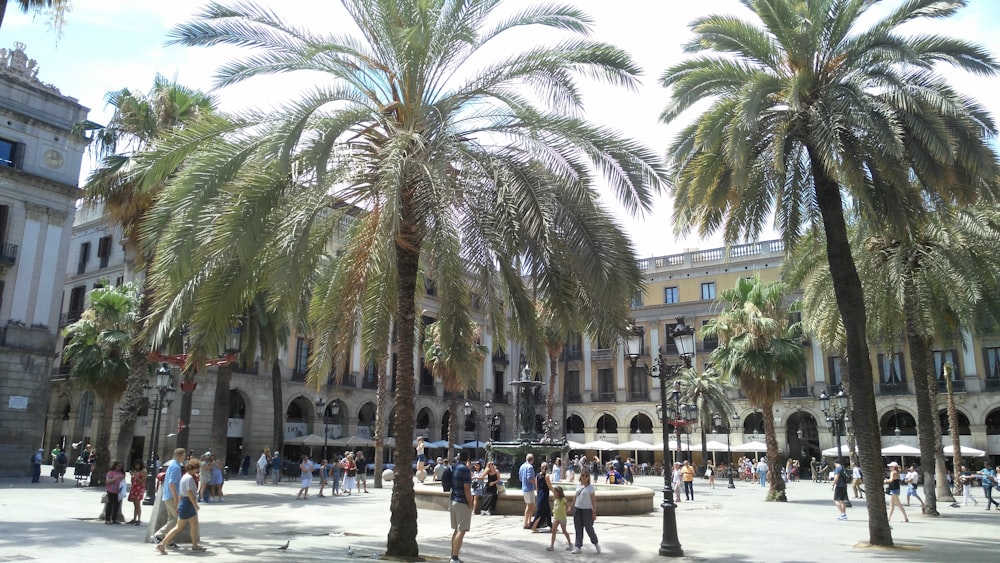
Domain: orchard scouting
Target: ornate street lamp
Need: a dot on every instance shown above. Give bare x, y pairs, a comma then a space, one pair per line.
683, 335
164, 396
329, 414
836, 417
728, 429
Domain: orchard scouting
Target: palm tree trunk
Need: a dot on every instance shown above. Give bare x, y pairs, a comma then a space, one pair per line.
776, 492
402, 538
923, 378
940, 472
3, 11
131, 401
278, 421
102, 461
452, 427
550, 397
850, 302
956, 443
380, 418
220, 412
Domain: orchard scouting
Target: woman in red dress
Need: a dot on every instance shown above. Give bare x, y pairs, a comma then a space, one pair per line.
138, 490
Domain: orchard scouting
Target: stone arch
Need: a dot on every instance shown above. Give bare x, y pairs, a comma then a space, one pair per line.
238, 404
574, 424
445, 424
366, 420
963, 422
424, 420
992, 422
753, 423
85, 413
808, 445
641, 423
299, 416
606, 423
897, 418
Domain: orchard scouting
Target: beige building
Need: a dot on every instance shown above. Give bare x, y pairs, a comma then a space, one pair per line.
40, 158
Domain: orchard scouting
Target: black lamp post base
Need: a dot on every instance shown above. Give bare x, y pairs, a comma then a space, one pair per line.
670, 545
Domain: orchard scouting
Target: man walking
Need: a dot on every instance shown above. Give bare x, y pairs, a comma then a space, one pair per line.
36, 465
359, 460
461, 504
527, 475
687, 474
171, 492
912, 478
856, 481
762, 471
840, 490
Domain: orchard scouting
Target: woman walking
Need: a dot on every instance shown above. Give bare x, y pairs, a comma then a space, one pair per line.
989, 479
421, 459
893, 483
489, 502
263, 463
585, 513
113, 479
187, 509
543, 511
138, 491
350, 474
965, 481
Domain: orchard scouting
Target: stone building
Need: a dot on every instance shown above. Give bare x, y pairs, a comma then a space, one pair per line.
40, 158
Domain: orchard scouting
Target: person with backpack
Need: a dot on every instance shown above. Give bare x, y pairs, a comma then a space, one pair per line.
61, 461
988, 479
461, 502
447, 477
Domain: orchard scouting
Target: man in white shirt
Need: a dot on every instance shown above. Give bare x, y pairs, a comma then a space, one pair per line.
762, 471
911, 479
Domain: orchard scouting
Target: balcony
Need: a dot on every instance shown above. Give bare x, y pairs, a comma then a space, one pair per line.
501, 397
427, 390
474, 395
574, 398
893, 388
349, 380
500, 358
298, 375
247, 368
602, 354
638, 396
8, 254
69, 317
603, 397
369, 383
991, 384
456, 395
798, 391
957, 385
572, 354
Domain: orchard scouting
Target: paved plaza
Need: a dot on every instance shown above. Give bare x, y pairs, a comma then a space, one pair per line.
58, 522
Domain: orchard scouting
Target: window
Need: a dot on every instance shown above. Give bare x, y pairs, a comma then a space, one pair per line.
76, 298
943, 357
4, 212
573, 385
104, 251
119, 281
836, 365
638, 383
11, 154
81, 266
606, 384
301, 359
708, 290
991, 360
890, 369
637, 299
498, 385
671, 295
709, 343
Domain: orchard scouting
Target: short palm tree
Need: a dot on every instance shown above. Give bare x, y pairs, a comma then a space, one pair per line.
761, 351
98, 348
706, 390
416, 150
458, 372
818, 105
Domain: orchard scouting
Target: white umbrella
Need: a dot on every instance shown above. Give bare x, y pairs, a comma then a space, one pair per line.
714, 446
901, 450
600, 445
313, 440
965, 451
575, 445
752, 446
438, 444
832, 452
353, 441
636, 445
473, 445
673, 446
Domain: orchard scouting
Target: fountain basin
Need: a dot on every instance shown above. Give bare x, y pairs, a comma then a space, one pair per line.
612, 500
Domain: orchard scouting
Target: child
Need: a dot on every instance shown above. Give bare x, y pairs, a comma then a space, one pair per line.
559, 518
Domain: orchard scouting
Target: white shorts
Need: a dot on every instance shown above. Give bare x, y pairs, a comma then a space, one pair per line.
529, 497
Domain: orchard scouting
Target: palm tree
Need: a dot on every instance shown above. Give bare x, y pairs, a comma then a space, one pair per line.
813, 101
127, 195
706, 390
761, 352
927, 286
458, 372
556, 332
97, 350
56, 9
415, 156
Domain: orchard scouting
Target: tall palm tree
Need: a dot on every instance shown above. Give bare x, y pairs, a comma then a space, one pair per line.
926, 287
56, 10
416, 151
127, 195
97, 350
815, 101
761, 351
706, 390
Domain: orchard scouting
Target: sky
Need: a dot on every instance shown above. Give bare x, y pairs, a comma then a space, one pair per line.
110, 44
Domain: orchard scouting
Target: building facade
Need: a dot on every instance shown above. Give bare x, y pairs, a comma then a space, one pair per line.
40, 157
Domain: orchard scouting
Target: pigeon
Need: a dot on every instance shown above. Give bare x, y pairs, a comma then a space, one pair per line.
284, 547
374, 555
350, 552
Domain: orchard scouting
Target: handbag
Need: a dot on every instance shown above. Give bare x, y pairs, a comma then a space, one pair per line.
501, 489
104, 498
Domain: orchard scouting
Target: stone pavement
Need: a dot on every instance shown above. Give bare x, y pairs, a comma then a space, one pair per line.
57, 522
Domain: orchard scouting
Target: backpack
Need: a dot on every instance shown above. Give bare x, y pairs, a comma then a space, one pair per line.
61, 460
446, 479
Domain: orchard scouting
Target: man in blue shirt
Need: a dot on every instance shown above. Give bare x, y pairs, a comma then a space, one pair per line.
461, 504
36, 465
527, 475
171, 492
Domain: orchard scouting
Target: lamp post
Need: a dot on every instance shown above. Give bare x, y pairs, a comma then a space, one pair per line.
836, 417
467, 409
729, 429
164, 388
494, 422
329, 413
670, 545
